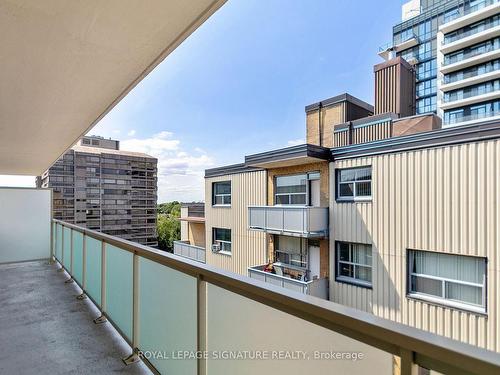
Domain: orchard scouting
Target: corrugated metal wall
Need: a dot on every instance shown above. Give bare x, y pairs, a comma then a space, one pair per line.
248, 246
373, 132
444, 199
341, 138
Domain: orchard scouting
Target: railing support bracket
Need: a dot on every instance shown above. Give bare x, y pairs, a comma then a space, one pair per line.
131, 359
69, 281
60, 269
100, 320
81, 297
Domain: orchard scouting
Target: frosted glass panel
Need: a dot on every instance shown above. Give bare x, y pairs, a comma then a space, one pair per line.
168, 316
239, 325
78, 257
54, 236
59, 243
25, 217
119, 288
93, 269
67, 249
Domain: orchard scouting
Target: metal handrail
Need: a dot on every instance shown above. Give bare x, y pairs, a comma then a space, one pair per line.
414, 346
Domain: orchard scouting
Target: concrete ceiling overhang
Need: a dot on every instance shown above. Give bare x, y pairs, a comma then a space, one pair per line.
65, 64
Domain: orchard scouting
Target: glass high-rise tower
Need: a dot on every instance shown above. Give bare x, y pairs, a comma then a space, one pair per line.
450, 41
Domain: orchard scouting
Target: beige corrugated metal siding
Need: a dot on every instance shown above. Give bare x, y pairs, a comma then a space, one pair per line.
248, 246
341, 138
443, 199
373, 132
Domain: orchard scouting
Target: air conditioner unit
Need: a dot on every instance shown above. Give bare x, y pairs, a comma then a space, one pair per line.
215, 248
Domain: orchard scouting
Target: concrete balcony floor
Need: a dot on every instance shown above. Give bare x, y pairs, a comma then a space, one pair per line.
44, 329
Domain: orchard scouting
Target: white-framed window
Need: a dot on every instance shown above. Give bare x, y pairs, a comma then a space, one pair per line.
354, 184
221, 193
448, 279
295, 189
354, 263
222, 237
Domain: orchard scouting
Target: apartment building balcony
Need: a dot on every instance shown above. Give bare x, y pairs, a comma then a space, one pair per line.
490, 53
300, 221
472, 118
472, 14
465, 80
317, 287
186, 250
124, 310
476, 96
388, 49
470, 38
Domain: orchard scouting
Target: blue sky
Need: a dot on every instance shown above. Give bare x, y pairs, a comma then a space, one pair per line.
239, 84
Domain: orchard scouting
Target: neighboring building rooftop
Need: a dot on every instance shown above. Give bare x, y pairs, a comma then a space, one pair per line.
345, 97
230, 169
98, 150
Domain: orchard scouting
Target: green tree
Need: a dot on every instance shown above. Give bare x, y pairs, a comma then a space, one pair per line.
170, 208
169, 230
169, 225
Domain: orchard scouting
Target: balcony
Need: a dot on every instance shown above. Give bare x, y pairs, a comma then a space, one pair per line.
470, 96
177, 316
470, 15
469, 59
186, 250
386, 51
317, 287
470, 38
300, 221
469, 119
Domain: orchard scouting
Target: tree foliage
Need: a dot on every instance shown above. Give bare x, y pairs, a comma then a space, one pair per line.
170, 208
169, 225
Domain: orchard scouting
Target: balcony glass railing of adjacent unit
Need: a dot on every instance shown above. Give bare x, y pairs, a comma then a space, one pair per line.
301, 221
485, 47
184, 317
474, 6
475, 71
459, 118
477, 28
186, 250
317, 287
481, 89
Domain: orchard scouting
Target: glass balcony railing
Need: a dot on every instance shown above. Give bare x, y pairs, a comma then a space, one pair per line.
477, 5
316, 287
472, 53
303, 221
471, 92
461, 35
183, 317
186, 250
457, 119
474, 72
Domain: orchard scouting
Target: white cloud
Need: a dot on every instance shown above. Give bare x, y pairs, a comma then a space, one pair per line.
131, 133
180, 172
295, 142
17, 181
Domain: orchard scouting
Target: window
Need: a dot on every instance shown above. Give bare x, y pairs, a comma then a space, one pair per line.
221, 192
85, 141
354, 263
454, 280
222, 237
354, 184
291, 251
295, 189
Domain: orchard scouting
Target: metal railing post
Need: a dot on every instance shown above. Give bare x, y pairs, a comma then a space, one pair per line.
134, 356
70, 280
407, 365
201, 303
84, 267
102, 318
